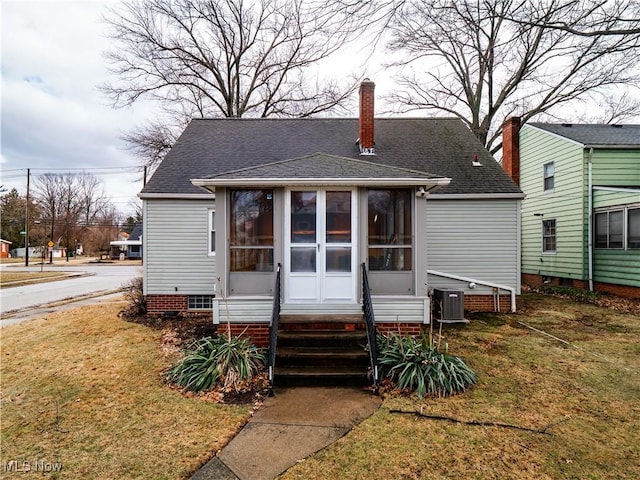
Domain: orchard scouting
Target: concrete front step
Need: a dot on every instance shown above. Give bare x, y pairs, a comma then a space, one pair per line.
321, 357
334, 340
321, 350
321, 318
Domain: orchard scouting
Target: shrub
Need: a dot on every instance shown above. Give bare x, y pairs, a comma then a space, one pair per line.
415, 364
133, 293
576, 294
217, 361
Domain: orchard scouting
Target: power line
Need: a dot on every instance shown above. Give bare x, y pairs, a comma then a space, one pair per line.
134, 168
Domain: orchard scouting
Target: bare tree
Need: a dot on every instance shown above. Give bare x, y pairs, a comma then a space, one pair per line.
484, 60
591, 19
230, 58
152, 141
71, 204
46, 192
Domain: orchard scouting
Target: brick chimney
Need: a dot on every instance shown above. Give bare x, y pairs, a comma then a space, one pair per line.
366, 141
511, 148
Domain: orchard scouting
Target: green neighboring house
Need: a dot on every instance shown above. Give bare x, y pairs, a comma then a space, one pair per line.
581, 213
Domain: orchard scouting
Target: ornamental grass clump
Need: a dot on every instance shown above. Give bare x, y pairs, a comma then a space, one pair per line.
224, 360
417, 364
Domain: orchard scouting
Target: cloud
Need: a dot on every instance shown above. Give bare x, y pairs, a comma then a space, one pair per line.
53, 116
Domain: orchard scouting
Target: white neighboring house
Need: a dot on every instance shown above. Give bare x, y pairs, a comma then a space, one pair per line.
132, 247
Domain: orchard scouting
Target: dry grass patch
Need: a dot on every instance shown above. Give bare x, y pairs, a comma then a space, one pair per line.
587, 392
14, 279
85, 388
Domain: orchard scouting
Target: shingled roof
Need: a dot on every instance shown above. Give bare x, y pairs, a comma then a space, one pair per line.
430, 147
595, 135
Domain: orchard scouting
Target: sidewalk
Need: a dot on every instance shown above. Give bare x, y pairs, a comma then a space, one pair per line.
289, 427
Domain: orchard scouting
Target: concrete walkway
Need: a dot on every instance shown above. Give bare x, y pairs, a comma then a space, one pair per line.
289, 427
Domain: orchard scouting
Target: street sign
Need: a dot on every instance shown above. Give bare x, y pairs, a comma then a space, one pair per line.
23, 232
50, 244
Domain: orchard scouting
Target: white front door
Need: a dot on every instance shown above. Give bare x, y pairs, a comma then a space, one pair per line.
320, 256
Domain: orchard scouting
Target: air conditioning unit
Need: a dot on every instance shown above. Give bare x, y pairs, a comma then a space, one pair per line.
448, 305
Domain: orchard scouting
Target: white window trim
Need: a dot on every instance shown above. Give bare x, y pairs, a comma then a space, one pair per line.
544, 177
212, 228
548, 252
625, 226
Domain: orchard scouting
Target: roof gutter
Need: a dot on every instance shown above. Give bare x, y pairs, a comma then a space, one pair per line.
617, 147
476, 196
427, 183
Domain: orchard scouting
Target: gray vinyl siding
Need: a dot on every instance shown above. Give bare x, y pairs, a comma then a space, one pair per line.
566, 204
473, 238
176, 244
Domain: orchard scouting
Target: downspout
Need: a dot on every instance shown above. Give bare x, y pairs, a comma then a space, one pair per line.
590, 217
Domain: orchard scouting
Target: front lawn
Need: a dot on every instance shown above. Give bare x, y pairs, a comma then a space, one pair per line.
588, 397
84, 389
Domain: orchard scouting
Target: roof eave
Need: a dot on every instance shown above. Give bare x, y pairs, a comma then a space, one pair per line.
477, 196
169, 196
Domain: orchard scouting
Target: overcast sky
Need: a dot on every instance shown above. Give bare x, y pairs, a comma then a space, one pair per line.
53, 116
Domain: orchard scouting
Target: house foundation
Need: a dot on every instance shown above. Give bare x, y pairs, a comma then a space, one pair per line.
625, 291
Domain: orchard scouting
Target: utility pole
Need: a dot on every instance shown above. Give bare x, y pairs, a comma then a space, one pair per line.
53, 217
26, 222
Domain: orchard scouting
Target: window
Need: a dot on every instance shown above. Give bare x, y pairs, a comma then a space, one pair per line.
549, 236
610, 229
212, 232
200, 302
251, 235
549, 174
390, 231
633, 229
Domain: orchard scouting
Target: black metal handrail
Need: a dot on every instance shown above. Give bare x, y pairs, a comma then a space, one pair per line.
273, 330
370, 320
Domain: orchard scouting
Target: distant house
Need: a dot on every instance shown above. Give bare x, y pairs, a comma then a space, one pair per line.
422, 204
581, 214
4, 248
130, 247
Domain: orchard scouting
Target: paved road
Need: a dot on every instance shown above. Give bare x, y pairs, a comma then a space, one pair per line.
97, 278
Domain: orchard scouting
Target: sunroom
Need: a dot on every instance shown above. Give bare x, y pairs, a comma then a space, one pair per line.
320, 218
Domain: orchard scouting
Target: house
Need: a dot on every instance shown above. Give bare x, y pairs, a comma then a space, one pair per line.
131, 246
581, 215
4, 248
419, 201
